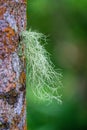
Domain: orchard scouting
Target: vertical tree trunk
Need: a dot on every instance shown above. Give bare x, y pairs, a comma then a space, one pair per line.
12, 68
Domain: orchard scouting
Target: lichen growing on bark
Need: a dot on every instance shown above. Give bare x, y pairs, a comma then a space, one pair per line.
42, 78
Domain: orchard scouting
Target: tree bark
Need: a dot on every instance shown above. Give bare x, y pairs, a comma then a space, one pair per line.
12, 67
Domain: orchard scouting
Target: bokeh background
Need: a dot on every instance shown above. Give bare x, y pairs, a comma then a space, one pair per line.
65, 24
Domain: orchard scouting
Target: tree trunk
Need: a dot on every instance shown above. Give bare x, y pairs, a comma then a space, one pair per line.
12, 67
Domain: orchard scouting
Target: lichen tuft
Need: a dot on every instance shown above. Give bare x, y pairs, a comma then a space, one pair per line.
43, 79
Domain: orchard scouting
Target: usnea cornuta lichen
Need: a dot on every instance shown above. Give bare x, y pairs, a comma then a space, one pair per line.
43, 79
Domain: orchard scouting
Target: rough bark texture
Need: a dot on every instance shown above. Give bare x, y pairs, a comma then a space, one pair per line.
12, 68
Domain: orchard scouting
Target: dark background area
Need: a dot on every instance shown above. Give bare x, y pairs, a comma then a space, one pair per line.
65, 24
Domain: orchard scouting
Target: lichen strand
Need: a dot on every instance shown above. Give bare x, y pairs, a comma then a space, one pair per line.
12, 72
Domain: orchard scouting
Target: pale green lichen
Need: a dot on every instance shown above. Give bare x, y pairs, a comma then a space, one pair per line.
41, 75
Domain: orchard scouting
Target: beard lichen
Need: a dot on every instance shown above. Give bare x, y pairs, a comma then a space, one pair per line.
44, 80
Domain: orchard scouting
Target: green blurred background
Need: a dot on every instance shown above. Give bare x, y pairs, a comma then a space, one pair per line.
65, 24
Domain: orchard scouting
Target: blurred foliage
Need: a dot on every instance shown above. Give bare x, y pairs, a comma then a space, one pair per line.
65, 24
